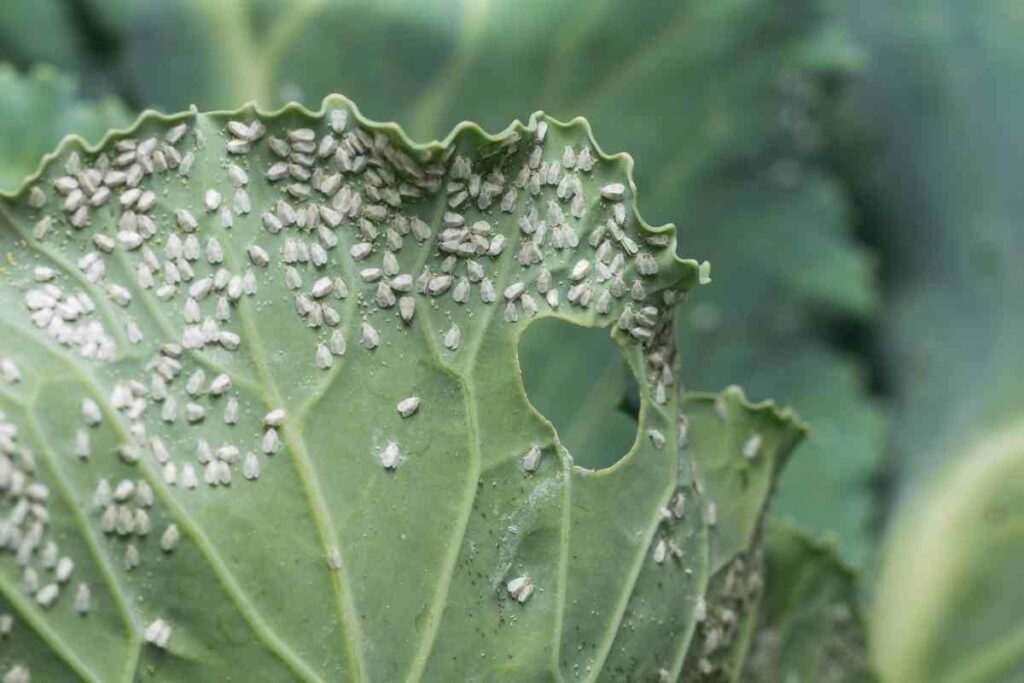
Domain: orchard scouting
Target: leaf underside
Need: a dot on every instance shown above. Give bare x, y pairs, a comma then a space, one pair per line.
212, 324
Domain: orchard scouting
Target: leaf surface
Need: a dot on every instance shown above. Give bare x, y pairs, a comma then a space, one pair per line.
237, 488
738, 449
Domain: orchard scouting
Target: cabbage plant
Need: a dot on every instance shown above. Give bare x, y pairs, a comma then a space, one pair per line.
262, 417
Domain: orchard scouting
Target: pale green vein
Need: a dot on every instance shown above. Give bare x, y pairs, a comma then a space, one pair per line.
187, 524
28, 611
564, 543
302, 462
117, 589
455, 543
604, 648
454, 547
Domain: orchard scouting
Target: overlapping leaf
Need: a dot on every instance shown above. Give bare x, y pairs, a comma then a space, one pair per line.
809, 625
738, 449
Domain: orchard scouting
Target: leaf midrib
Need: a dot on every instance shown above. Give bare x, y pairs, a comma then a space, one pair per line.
295, 442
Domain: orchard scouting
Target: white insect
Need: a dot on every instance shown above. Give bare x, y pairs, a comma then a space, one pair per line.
752, 447
520, 588
613, 191
47, 594
371, 338
407, 406
323, 357
212, 200
275, 418
83, 599
271, 442
158, 633
390, 457
9, 372
452, 338
170, 538
531, 459
251, 466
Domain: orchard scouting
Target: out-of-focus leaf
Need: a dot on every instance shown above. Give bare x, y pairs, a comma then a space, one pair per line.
205, 469
41, 31
935, 155
40, 108
809, 626
939, 113
948, 604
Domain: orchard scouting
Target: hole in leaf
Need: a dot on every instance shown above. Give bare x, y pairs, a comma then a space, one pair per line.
578, 379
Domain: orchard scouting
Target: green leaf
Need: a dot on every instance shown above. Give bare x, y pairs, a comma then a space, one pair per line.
948, 605
738, 449
371, 544
40, 108
809, 625
719, 102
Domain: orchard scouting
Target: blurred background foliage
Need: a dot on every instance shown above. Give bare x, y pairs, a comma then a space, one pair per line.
850, 168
